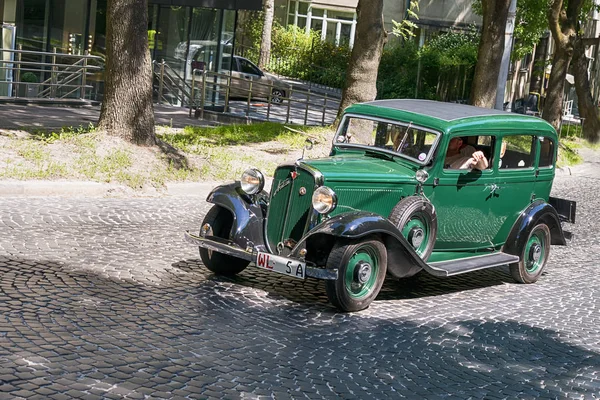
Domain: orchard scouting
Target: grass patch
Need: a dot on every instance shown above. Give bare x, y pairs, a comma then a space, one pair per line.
229, 135
47, 170
65, 133
104, 168
567, 153
32, 151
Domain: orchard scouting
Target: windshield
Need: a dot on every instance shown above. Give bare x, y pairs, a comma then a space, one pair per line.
400, 138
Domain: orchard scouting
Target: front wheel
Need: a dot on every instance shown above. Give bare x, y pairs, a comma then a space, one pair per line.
534, 255
220, 221
361, 265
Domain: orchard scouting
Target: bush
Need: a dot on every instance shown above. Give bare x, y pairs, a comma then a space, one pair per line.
397, 76
447, 65
297, 55
29, 77
444, 66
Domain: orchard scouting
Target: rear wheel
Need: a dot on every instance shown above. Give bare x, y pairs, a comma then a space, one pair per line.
220, 221
534, 255
277, 96
361, 265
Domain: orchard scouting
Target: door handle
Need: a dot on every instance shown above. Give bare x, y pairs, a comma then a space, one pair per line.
493, 188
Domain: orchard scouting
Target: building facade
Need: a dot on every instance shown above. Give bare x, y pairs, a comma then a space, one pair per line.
178, 30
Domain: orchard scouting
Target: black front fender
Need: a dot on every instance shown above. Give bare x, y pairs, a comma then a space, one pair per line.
402, 259
248, 215
538, 212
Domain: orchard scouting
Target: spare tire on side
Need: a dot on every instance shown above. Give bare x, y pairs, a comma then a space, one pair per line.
415, 217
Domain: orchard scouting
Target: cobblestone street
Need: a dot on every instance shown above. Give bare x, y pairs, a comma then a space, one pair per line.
102, 299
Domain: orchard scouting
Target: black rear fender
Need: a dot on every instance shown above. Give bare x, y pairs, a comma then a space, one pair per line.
402, 259
248, 215
538, 212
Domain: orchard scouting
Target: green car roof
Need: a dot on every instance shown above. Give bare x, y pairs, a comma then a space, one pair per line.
447, 117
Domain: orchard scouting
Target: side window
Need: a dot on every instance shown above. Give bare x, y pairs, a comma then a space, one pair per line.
468, 152
248, 68
517, 152
546, 152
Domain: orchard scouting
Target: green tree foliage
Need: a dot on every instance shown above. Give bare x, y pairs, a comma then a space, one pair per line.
405, 29
398, 71
443, 67
531, 23
297, 55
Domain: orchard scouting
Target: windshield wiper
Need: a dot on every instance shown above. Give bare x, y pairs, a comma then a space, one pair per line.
378, 154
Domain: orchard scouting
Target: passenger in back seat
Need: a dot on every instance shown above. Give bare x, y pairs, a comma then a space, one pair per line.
461, 156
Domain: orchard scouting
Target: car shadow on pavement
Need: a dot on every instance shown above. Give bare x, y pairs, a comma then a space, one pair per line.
67, 329
312, 291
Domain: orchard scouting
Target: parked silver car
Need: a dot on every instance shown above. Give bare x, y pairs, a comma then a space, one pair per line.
244, 72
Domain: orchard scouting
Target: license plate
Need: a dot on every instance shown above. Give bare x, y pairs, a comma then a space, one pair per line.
283, 265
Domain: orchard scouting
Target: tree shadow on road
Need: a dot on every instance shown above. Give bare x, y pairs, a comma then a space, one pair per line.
87, 332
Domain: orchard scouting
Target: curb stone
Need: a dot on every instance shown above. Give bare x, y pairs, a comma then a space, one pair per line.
96, 189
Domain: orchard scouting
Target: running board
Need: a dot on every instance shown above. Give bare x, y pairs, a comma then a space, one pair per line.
463, 265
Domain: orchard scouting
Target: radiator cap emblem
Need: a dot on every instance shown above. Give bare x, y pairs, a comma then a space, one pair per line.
293, 174
302, 191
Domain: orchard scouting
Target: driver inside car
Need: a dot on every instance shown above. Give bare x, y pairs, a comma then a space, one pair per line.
460, 156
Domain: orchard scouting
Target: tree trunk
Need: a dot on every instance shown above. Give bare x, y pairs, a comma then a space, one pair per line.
489, 54
127, 110
265, 44
562, 23
539, 65
361, 76
587, 109
556, 86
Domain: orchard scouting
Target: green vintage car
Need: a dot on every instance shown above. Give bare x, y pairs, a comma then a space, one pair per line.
390, 201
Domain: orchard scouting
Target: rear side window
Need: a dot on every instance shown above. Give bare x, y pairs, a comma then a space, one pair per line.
546, 152
517, 152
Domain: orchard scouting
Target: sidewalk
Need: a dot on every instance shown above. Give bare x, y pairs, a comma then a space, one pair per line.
16, 117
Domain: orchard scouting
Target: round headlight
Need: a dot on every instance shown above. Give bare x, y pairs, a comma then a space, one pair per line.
422, 175
324, 200
252, 181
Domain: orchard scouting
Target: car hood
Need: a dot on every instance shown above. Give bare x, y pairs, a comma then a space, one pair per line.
363, 168
275, 79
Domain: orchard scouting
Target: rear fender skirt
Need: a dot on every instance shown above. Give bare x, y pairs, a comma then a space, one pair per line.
402, 259
538, 212
248, 216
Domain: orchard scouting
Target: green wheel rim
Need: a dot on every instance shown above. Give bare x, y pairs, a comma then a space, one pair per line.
535, 252
364, 259
416, 225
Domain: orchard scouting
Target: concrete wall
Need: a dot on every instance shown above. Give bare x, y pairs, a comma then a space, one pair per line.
448, 12
8, 11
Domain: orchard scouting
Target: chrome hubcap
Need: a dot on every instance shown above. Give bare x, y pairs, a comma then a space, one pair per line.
363, 272
416, 237
536, 252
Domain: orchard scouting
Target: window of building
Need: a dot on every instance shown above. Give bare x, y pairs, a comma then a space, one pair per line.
336, 26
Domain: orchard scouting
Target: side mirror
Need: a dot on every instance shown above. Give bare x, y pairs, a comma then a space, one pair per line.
310, 143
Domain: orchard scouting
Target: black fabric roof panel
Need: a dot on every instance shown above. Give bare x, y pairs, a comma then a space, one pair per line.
443, 111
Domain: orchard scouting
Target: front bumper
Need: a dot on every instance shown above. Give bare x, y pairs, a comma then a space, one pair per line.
231, 249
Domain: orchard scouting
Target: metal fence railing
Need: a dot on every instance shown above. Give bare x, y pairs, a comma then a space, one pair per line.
226, 93
35, 74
